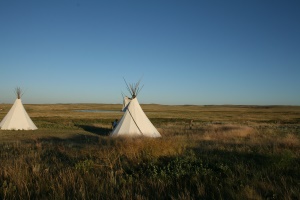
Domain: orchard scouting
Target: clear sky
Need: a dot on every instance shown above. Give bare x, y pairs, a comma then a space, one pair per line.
186, 51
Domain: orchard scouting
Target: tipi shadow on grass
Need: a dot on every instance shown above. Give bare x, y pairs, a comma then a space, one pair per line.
134, 122
17, 117
95, 130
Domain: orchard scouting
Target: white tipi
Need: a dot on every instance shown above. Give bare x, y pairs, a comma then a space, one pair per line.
17, 117
134, 121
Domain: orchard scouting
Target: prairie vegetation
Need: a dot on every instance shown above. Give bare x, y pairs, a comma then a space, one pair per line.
228, 152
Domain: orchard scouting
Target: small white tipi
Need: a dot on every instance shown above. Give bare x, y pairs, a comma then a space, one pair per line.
17, 117
134, 121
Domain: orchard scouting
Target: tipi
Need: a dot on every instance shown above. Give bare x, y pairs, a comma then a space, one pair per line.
17, 117
134, 121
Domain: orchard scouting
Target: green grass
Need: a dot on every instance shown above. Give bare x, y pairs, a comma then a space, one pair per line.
231, 152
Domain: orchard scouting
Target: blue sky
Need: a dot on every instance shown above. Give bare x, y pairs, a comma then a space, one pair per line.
186, 52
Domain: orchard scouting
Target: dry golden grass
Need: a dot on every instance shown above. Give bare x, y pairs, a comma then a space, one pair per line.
229, 152
226, 132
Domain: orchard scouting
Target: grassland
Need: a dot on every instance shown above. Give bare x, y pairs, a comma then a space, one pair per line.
229, 152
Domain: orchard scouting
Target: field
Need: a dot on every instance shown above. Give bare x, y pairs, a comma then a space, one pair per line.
228, 152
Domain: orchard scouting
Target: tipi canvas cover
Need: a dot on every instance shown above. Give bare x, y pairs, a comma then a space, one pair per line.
126, 101
17, 117
135, 122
